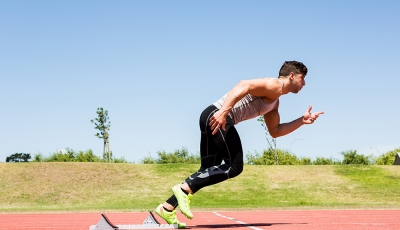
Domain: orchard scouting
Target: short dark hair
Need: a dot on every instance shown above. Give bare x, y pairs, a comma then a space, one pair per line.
293, 66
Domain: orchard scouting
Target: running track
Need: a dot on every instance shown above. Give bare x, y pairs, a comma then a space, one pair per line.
243, 220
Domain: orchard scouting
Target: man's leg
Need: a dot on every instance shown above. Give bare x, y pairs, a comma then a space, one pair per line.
224, 145
229, 148
208, 153
209, 158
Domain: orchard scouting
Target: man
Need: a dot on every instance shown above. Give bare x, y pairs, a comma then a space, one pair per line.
220, 147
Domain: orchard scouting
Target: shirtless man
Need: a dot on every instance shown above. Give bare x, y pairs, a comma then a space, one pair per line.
220, 146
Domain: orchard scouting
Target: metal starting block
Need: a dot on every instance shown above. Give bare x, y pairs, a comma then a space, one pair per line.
149, 223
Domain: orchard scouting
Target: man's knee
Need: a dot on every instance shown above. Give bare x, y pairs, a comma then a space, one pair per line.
235, 170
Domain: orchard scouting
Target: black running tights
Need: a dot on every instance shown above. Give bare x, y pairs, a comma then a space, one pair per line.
221, 155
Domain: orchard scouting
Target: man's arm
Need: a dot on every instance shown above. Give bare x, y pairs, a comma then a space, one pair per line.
257, 87
275, 129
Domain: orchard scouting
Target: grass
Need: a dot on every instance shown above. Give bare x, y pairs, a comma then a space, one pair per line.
127, 187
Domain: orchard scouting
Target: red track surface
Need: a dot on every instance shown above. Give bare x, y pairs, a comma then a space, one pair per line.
270, 220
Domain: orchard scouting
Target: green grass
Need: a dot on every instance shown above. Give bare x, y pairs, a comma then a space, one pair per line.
127, 187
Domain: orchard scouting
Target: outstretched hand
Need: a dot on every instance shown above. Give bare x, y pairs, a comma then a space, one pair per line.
309, 118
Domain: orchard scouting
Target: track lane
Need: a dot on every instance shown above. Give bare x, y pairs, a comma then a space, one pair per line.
243, 220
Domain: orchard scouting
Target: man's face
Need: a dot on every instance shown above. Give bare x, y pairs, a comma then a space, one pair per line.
298, 82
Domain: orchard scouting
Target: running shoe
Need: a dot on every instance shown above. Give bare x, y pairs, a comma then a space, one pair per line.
170, 217
183, 200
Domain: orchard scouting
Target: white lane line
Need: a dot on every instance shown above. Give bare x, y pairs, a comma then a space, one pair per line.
238, 221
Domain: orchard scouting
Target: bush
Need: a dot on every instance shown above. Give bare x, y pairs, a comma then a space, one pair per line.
387, 158
325, 161
72, 156
38, 157
352, 158
69, 156
87, 156
148, 160
118, 160
178, 156
305, 161
268, 158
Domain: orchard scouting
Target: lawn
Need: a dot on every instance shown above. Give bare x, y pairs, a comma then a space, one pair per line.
139, 187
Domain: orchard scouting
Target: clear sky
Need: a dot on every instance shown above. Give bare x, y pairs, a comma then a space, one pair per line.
155, 65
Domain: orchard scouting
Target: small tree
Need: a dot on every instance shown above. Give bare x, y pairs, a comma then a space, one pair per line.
103, 124
271, 141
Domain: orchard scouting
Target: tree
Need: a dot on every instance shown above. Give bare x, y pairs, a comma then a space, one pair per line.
270, 139
19, 157
103, 124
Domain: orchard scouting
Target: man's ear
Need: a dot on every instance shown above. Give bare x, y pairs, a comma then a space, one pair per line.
291, 76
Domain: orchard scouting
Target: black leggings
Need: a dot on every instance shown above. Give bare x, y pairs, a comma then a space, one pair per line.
221, 155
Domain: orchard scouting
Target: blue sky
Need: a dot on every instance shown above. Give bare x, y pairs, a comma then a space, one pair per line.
155, 65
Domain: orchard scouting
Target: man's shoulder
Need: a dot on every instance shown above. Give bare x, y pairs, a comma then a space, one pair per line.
264, 87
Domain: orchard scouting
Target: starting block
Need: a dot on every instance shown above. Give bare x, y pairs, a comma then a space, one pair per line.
149, 223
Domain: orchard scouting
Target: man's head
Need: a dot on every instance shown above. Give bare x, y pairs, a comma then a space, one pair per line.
292, 67
295, 73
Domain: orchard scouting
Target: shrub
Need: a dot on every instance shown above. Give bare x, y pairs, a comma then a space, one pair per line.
305, 161
268, 158
148, 160
350, 157
71, 156
325, 161
387, 158
87, 156
118, 160
178, 156
38, 157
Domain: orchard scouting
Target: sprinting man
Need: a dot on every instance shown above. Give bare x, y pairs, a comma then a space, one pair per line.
220, 146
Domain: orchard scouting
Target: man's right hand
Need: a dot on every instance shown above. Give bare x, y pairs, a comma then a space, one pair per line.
218, 120
308, 117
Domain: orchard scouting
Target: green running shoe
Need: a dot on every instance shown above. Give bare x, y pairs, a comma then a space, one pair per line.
170, 217
183, 200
